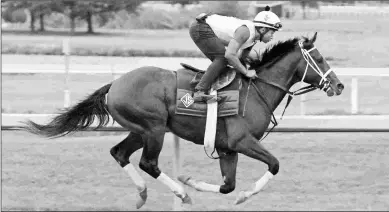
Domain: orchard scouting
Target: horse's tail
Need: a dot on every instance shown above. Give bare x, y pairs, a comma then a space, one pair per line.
75, 118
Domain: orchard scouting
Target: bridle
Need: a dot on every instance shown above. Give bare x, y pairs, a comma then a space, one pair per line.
323, 84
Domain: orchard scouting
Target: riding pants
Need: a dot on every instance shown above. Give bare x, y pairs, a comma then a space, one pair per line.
206, 40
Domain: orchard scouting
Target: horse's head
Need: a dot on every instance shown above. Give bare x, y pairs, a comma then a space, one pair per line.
314, 69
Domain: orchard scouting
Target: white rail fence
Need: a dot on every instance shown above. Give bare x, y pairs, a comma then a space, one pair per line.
353, 72
343, 123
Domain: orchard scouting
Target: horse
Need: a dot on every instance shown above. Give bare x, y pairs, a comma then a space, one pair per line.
143, 101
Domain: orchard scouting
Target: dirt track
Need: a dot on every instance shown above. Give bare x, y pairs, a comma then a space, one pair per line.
318, 171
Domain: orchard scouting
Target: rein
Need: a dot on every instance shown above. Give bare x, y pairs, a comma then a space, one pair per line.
273, 119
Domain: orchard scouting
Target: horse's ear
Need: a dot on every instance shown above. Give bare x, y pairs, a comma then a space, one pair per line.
313, 39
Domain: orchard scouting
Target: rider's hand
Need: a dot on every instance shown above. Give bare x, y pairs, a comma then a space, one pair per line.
251, 74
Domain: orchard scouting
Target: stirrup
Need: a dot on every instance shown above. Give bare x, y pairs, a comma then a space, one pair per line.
201, 96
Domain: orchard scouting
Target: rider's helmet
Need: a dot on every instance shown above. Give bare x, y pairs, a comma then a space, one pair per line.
267, 19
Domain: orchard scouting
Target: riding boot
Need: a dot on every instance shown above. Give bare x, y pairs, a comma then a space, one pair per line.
206, 81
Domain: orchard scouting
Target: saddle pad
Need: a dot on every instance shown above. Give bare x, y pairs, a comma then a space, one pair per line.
227, 106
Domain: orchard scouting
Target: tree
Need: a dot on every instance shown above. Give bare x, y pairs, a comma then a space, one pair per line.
309, 4
183, 3
228, 8
82, 9
86, 9
11, 6
34, 8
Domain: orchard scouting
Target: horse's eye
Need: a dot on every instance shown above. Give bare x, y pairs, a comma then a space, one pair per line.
320, 60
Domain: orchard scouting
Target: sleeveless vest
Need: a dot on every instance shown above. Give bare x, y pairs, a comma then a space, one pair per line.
225, 27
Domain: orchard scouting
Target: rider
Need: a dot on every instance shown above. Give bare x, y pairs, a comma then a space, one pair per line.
225, 39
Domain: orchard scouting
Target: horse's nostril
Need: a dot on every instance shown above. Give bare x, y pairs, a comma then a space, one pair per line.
340, 86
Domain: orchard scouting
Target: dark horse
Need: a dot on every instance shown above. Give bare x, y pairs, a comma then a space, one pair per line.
144, 100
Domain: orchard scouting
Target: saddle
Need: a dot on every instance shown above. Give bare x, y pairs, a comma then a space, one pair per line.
226, 87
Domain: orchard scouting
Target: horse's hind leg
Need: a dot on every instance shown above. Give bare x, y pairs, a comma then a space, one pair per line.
122, 152
153, 142
228, 163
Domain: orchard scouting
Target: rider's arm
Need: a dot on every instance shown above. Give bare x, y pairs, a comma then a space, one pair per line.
240, 37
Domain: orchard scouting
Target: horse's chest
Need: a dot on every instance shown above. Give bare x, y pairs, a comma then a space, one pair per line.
258, 122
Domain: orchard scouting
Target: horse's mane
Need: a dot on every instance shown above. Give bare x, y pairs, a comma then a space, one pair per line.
275, 52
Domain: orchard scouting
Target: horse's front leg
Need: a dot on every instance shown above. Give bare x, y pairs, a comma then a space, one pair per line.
228, 162
249, 146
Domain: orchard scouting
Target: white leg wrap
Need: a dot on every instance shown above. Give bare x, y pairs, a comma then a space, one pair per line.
203, 186
175, 187
259, 184
244, 195
136, 178
262, 182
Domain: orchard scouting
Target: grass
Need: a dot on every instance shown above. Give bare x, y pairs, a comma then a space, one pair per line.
45, 49
339, 171
359, 43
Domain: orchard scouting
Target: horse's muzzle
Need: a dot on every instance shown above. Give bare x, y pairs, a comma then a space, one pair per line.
334, 89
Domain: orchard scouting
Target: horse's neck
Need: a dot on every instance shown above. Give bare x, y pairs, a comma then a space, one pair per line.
281, 76
273, 95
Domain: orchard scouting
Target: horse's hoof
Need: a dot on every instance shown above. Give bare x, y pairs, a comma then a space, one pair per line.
241, 198
187, 200
142, 200
183, 178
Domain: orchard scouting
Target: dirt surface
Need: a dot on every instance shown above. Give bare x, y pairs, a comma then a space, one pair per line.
318, 171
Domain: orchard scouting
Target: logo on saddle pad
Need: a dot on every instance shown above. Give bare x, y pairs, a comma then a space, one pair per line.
187, 100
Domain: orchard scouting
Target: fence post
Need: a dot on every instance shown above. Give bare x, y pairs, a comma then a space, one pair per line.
302, 102
176, 170
354, 95
113, 71
66, 52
